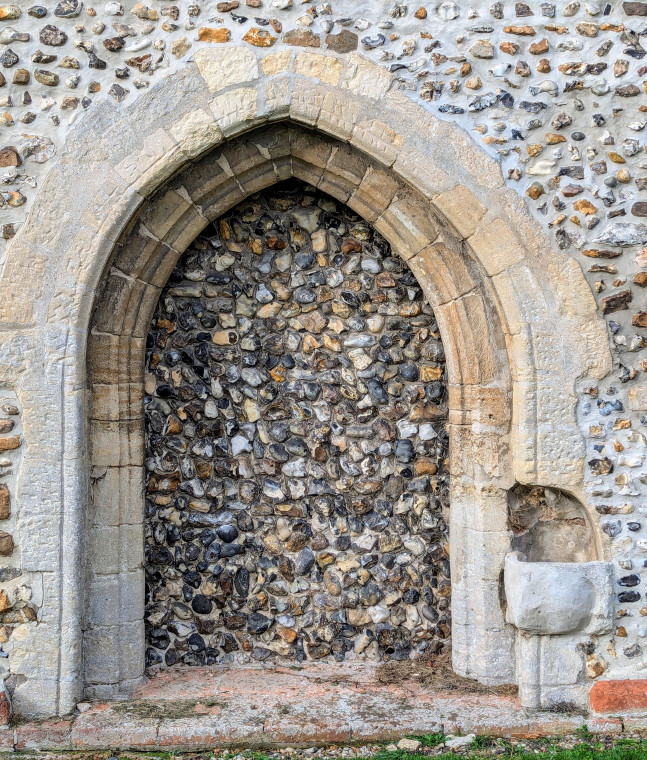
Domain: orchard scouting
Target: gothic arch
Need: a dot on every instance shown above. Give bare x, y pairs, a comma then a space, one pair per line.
518, 321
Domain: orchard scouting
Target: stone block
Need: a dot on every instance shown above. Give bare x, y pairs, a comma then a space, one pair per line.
637, 396
132, 648
117, 443
178, 239
376, 138
113, 312
153, 162
413, 166
276, 63
510, 291
109, 728
114, 358
337, 115
196, 132
117, 496
205, 177
485, 550
275, 102
227, 196
117, 402
306, 101
461, 208
101, 655
365, 78
344, 172
28, 700
443, 273
326, 68
227, 66
104, 592
131, 543
465, 327
45, 735
160, 217
562, 661
103, 549
309, 159
495, 246
308, 173
37, 554
309, 151
131, 596
406, 225
375, 193
575, 696
486, 406
235, 110
142, 256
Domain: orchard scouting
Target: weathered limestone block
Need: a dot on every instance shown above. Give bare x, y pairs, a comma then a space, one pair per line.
222, 67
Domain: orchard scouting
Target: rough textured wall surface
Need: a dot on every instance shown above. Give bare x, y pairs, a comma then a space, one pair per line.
555, 91
296, 445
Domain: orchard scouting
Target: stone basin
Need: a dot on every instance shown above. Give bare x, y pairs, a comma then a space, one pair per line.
553, 598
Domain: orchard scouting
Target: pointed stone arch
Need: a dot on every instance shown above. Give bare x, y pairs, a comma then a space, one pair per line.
518, 321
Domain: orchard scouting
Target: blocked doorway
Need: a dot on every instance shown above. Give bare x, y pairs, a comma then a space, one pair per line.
297, 485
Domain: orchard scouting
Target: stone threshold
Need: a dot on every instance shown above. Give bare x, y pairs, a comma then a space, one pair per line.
272, 706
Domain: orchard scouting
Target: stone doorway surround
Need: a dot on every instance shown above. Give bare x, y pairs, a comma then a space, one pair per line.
82, 278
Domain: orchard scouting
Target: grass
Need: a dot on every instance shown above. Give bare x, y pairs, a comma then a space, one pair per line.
430, 740
483, 741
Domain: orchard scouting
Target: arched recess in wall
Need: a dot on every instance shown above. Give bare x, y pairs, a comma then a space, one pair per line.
477, 366
297, 483
498, 289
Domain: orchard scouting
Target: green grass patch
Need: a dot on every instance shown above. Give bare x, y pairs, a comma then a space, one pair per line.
483, 741
429, 740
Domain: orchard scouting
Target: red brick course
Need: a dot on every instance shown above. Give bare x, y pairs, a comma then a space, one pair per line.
619, 696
